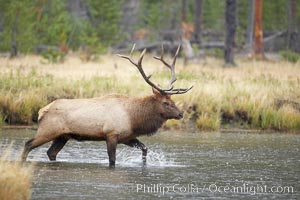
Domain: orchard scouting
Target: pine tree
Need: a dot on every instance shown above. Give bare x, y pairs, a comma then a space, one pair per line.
18, 29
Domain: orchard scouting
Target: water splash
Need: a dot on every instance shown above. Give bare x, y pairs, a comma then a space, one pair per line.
132, 158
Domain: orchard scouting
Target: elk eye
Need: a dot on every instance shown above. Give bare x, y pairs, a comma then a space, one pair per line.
166, 103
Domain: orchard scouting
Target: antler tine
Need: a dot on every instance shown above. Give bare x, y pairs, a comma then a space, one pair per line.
129, 57
141, 59
179, 91
140, 68
132, 49
175, 57
171, 67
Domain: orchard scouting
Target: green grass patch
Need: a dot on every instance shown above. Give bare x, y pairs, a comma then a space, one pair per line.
290, 56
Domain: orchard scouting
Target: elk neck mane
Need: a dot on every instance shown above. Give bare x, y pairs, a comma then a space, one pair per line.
145, 116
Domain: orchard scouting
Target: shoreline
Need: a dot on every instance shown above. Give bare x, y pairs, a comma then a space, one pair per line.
222, 130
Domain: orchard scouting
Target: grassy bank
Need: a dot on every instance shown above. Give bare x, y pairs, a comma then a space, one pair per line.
254, 95
15, 179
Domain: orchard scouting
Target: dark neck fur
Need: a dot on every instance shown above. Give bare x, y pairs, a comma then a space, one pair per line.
145, 120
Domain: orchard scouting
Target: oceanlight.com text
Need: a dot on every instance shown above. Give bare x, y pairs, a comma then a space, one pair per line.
212, 188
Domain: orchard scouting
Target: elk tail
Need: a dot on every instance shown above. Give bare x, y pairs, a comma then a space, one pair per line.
43, 111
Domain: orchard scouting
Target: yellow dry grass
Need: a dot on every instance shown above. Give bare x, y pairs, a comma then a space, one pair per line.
248, 96
108, 65
15, 179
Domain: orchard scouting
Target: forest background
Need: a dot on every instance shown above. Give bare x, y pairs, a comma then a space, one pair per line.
99, 26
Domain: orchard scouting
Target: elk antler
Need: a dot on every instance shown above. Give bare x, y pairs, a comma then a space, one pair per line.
170, 89
171, 67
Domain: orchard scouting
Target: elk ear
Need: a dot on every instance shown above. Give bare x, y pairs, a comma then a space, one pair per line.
156, 92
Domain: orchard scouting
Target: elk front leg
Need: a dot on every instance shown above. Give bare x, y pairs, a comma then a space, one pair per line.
56, 146
136, 143
111, 143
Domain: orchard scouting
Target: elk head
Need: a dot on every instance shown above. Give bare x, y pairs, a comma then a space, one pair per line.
162, 97
165, 106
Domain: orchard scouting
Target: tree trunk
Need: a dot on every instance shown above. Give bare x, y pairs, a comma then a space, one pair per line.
14, 47
292, 36
258, 33
1, 21
231, 24
129, 18
250, 27
198, 21
78, 8
174, 15
183, 10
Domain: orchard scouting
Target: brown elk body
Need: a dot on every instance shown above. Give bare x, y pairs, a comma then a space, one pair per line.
116, 119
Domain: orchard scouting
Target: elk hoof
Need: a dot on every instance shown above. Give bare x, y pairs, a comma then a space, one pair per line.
112, 164
144, 158
51, 157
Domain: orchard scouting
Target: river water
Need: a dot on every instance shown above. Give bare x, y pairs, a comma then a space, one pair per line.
179, 166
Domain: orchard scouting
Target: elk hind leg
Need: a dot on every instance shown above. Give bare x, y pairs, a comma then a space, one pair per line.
136, 143
32, 144
56, 146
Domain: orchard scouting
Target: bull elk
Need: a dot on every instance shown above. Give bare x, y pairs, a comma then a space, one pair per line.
115, 118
